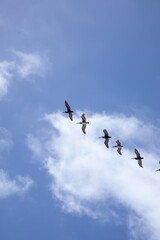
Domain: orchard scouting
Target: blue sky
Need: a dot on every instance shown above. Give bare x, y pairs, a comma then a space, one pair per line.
103, 57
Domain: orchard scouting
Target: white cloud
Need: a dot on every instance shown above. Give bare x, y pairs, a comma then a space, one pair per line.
5, 76
35, 145
88, 178
8, 187
5, 139
25, 64
30, 64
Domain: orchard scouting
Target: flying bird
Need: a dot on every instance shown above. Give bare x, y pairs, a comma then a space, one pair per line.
139, 158
106, 136
69, 111
158, 169
118, 146
83, 123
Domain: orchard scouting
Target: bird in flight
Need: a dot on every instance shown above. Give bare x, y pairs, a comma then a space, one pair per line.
69, 111
106, 136
83, 123
118, 146
158, 169
139, 158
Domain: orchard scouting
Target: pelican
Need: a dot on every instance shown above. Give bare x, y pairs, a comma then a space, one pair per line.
68, 110
106, 136
118, 146
158, 169
83, 123
139, 158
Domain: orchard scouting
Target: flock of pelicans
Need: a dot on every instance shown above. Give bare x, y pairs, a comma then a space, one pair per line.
106, 135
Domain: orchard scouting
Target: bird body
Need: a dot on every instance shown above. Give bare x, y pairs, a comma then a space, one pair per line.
118, 146
139, 158
69, 111
106, 137
158, 169
84, 122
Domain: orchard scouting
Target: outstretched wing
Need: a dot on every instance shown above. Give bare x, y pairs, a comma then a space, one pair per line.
140, 163
118, 143
106, 142
119, 151
83, 118
67, 106
137, 153
105, 133
70, 116
84, 128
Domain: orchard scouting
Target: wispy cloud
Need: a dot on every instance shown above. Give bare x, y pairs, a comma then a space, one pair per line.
25, 64
88, 178
8, 187
5, 76
30, 64
5, 139
35, 145
19, 184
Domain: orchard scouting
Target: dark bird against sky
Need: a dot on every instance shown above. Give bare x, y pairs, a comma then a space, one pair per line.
106, 136
158, 169
118, 146
139, 158
69, 111
83, 123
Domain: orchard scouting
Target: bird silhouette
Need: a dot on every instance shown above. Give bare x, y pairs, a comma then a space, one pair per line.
84, 123
158, 169
69, 111
118, 146
106, 137
139, 158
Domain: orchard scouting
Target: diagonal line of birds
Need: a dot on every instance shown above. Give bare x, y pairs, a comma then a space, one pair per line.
106, 135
